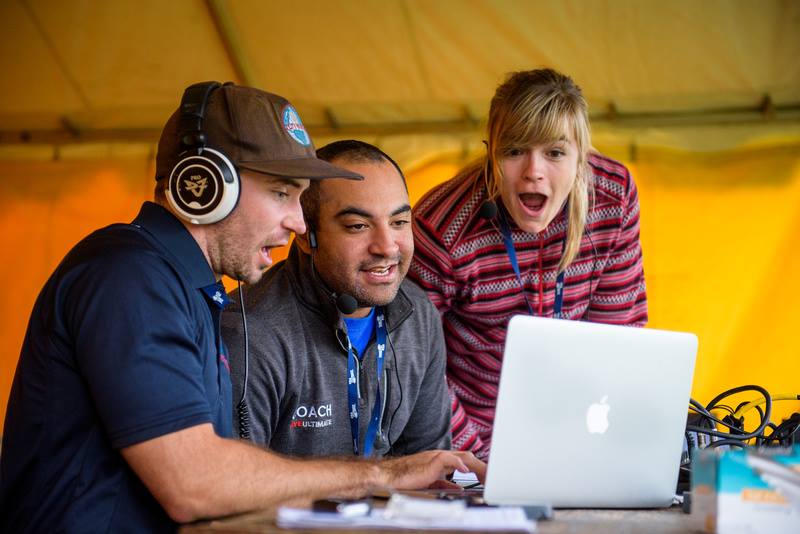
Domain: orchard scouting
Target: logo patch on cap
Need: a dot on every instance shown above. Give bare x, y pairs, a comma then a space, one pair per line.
294, 126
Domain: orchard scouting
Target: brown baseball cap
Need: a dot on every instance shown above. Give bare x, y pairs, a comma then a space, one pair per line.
256, 130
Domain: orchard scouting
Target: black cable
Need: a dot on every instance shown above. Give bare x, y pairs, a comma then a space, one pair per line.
710, 419
764, 440
783, 432
737, 437
705, 412
399, 387
741, 435
728, 408
241, 408
701, 410
724, 435
733, 391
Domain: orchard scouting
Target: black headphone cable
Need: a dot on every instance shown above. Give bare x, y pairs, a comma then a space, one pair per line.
241, 408
400, 400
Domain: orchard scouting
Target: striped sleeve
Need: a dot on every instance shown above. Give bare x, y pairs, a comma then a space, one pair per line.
620, 296
466, 435
431, 267
433, 271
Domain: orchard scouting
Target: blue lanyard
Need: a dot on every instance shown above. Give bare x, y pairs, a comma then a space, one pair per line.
512, 256
352, 388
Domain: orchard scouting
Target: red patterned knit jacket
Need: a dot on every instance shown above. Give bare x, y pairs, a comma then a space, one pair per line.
461, 262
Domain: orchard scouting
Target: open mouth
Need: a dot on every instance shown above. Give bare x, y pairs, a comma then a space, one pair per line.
266, 256
380, 273
265, 252
533, 202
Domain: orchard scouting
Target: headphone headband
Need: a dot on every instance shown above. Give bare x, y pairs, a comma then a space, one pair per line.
193, 113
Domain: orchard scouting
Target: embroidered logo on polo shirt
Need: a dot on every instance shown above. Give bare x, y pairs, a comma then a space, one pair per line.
311, 416
216, 294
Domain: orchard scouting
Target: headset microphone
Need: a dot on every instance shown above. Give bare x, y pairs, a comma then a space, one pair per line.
346, 304
488, 209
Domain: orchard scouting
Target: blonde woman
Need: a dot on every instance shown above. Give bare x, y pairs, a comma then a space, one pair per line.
541, 225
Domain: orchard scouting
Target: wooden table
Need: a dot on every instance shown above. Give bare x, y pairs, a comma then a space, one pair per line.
668, 521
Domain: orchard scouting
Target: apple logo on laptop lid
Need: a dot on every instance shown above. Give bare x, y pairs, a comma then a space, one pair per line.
597, 416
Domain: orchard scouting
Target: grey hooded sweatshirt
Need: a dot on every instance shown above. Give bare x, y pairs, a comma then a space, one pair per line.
297, 383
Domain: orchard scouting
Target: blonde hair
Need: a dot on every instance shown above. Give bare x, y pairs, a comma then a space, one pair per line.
540, 106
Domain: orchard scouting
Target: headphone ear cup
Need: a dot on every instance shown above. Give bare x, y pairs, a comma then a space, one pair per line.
203, 187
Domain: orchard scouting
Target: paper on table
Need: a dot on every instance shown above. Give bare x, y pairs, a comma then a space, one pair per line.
485, 519
465, 479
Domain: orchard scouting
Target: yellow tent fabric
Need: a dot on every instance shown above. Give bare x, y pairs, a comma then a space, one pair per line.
718, 231
89, 68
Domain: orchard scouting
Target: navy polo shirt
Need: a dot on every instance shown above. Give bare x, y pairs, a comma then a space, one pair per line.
122, 346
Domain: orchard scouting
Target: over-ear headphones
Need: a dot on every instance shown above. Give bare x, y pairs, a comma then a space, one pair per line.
204, 185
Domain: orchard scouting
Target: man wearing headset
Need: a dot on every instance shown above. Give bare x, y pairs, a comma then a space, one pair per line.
346, 357
120, 410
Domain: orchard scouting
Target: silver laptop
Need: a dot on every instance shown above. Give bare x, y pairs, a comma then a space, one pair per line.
589, 415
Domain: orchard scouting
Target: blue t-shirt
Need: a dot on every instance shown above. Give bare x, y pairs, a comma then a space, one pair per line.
360, 330
122, 346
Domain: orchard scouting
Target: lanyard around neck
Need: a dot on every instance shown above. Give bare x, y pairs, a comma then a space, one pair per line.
352, 387
512, 256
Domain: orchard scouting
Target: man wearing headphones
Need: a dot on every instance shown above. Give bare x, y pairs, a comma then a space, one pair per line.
120, 410
346, 356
